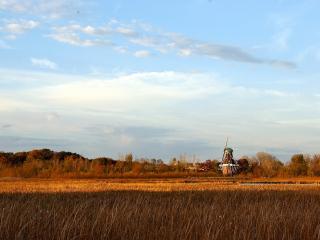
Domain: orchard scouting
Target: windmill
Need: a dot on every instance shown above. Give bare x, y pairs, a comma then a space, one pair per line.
228, 165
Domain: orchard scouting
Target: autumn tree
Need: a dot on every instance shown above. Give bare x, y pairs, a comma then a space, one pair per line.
315, 165
264, 164
244, 165
42, 154
270, 166
298, 165
128, 162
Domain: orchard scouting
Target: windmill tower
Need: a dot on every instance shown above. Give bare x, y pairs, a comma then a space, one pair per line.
228, 165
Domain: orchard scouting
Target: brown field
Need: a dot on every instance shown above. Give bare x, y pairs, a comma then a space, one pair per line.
155, 185
159, 209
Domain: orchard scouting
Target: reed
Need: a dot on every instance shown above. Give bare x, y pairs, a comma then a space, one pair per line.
214, 214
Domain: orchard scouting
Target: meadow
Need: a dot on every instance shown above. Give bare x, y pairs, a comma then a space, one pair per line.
157, 209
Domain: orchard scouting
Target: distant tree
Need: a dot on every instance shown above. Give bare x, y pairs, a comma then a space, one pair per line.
153, 161
173, 162
298, 165
159, 161
315, 165
119, 167
4, 159
70, 163
270, 166
162, 167
209, 165
19, 157
128, 162
137, 168
31, 168
129, 157
42, 154
7, 158
97, 168
244, 165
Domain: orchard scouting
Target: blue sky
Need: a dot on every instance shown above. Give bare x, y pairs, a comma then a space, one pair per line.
160, 78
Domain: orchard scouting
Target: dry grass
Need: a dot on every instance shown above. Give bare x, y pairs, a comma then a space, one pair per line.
172, 209
155, 185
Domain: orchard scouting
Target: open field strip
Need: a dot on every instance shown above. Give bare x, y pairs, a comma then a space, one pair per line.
100, 185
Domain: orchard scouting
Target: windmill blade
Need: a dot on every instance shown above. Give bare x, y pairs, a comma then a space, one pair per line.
225, 146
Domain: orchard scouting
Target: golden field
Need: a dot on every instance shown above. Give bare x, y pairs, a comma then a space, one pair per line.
157, 185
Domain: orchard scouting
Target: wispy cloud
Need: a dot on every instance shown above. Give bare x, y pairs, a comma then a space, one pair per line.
121, 49
75, 39
137, 34
142, 54
90, 36
44, 63
46, 9
6, 126
17, 27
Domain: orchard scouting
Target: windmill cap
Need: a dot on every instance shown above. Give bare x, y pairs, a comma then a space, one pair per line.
230, 150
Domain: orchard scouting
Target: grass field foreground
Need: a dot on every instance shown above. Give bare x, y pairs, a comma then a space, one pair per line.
216, 214
158, 209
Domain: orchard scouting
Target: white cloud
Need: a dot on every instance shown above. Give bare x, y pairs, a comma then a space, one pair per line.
198, 106
142, 54
121, 49
185, 52
89, 30
44, 63
43, 8
75, 39
277, 93
17, 27
126, 31
12, 5
137, 34
136, 90
157, 43
125, 88
130, 93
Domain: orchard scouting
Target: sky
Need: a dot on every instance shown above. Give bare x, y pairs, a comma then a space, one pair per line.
160, 78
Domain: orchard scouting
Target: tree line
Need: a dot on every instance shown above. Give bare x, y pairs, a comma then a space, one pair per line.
50, 164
